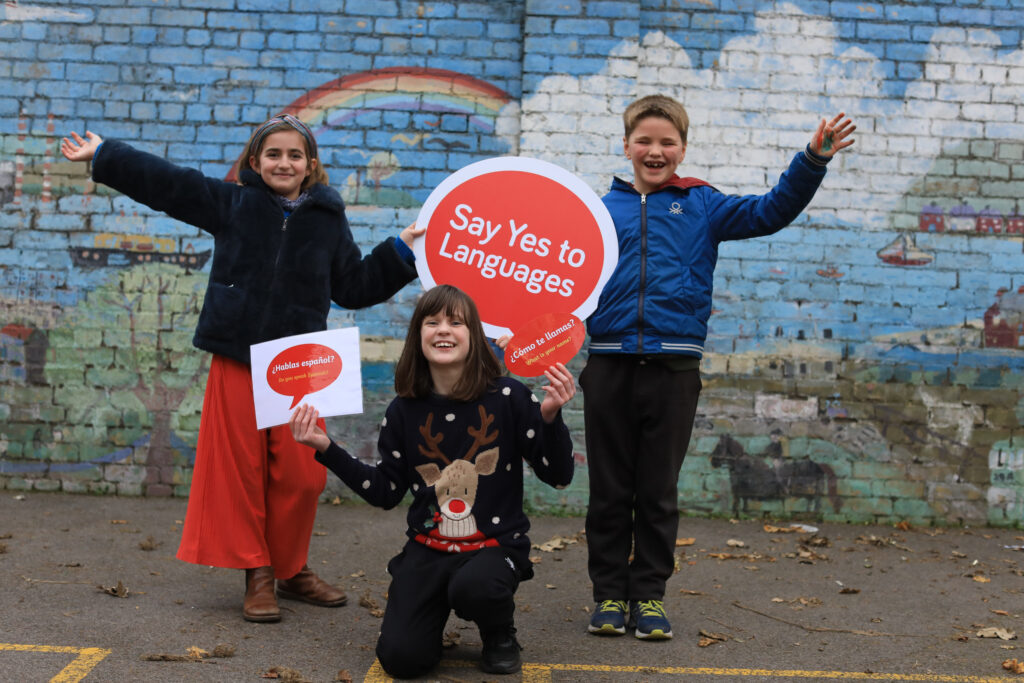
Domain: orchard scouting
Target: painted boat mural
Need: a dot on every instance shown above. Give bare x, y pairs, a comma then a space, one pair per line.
113, 250
902, 251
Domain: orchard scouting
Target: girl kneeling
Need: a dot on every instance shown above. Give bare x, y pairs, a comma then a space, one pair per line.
456, 435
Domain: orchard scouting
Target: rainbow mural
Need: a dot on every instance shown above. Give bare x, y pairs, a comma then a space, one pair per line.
367, 124
400, 89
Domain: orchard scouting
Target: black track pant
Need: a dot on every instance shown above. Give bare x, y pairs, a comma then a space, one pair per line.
425, 586
638, 416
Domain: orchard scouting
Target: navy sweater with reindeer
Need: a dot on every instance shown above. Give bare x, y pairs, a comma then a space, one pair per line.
463, 462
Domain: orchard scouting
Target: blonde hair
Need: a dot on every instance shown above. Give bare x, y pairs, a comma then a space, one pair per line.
656, 105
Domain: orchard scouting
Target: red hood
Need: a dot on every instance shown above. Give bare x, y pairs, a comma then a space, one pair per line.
676, 181
683, 183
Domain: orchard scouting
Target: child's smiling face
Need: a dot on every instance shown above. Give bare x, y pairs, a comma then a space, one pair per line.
282, 163
444, 340
656, 148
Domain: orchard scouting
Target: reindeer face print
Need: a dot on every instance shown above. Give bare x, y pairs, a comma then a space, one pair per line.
455, 485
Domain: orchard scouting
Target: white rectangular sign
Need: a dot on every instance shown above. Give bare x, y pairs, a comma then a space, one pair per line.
319, 368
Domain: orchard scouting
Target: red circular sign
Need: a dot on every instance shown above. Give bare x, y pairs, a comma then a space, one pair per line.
521, 236
303, 369
542, 342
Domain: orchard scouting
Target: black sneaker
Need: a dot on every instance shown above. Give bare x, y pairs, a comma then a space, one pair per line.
501, 652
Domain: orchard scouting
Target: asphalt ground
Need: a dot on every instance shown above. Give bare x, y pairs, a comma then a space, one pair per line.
92, 592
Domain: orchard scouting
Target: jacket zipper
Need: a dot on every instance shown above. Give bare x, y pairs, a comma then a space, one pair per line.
643, 274
273, 280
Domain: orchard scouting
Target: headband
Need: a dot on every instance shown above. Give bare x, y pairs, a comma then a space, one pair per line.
264, 130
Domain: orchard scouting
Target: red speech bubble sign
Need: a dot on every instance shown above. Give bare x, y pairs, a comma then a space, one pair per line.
303, 369
542, 342
523, 237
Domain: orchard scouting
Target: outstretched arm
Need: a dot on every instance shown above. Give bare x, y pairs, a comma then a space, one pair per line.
80, 149
562, 387
830, 137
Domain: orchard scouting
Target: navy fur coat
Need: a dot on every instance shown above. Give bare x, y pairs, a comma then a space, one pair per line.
271, 277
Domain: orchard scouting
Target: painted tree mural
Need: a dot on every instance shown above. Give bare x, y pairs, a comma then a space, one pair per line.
144, 319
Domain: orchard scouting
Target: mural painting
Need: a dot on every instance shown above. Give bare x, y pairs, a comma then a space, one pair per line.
862, 365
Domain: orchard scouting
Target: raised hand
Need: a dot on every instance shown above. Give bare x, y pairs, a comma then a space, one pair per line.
305, 429
562, 387
830, 137
80, 149
410, 233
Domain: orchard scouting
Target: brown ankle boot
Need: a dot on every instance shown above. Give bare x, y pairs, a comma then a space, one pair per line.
309, 587
260, 603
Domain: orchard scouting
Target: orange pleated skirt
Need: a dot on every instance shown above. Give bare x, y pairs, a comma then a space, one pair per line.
254, 492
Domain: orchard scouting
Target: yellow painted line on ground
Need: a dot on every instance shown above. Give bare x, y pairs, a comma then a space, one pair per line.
541, 673
86, 659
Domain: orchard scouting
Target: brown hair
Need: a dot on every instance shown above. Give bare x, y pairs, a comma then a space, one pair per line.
259, 136
656, 105
412, 373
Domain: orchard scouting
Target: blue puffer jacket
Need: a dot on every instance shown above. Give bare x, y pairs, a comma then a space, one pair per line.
270, 277
658, 300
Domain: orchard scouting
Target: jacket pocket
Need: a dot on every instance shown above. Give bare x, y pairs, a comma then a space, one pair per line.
223, 311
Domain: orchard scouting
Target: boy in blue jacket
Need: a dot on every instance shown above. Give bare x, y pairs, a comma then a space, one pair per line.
642, 380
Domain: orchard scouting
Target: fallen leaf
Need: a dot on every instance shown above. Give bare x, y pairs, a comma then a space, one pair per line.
149, 544
118, 591
849, 591
336, 500
704, 642
680, 542
722, 637
371, 605
735, 543
196, 652
981, 579
685, 591
1014, 666
1000, 612
996, 632
283, 673
119, 521
556, 543
535, 560
319, 533
358, 575
751, 557
451, 639
3, 548
223, 650
343, 676
903, 526
772, 529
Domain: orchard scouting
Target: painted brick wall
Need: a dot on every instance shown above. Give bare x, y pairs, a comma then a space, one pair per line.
864, 364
